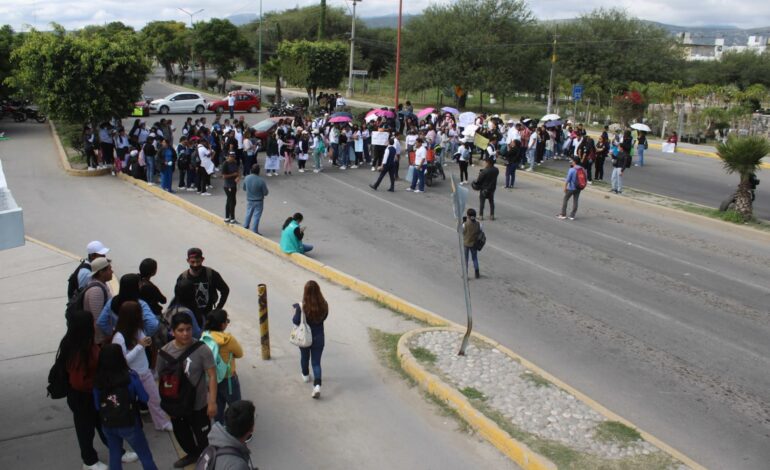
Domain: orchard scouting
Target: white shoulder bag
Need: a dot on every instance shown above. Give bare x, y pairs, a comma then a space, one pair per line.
301, 336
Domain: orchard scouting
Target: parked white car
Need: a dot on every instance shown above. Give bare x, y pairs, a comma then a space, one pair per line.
182, 102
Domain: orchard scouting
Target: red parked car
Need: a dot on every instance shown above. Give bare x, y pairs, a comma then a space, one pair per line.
262, 129
244, 101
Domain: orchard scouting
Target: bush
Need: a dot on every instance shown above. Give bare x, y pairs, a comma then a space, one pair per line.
195, 82
211, 83
300, 101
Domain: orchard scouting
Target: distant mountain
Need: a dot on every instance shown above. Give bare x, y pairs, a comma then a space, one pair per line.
387, 21
242, 18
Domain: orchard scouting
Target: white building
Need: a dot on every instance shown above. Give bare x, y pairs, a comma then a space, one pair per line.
713, 49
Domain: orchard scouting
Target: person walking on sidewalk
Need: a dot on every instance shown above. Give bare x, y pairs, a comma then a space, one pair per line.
256, 191
471, 232
230, 175
316, 311
486, 184
571, 189
208, 284
116, 394
229, 349
191, 425
130, 337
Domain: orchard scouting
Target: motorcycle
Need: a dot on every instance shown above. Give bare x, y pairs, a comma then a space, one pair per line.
12, 110
32, 112
433, 170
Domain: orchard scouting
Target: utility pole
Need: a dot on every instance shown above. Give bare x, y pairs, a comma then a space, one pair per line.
352, 50
260, 53
398, 52
192, 56
550, 81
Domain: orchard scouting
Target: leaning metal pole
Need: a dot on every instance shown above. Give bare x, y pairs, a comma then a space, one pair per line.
459, 196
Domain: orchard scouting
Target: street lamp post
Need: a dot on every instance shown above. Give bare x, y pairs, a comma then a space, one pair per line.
260, 51
352, 49
550, 81
398, 52
192, 56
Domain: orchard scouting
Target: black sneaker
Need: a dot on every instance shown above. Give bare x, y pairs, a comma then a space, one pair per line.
185, 461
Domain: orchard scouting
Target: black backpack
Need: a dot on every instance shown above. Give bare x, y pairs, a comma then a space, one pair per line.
208, 458
481, 240
72, 281
76, 302
58, 378
177, 392
117, 408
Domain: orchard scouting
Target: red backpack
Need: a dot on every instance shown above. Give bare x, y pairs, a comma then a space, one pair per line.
580, 177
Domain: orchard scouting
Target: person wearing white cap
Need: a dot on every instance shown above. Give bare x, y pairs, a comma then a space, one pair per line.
82, 275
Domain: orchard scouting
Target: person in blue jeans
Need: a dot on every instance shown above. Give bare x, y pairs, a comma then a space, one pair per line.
471, 232
149, 158
256, 191
641, 146
316, 311
117, 391
166, 160
420, 164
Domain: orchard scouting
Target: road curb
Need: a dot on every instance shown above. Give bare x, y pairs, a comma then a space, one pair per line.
515, 450
512, 448
64, 161
395, 303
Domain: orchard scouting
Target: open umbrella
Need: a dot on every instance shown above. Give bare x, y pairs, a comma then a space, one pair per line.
448, 109
641, 127
381, 112
337, 119
470, 130
343, 114
424, 112
550, 117
466, 119
370, 117
551, 124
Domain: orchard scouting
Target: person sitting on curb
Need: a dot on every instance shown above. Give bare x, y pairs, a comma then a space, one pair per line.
292, 235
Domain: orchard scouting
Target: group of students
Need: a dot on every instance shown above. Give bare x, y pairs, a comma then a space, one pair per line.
126, 352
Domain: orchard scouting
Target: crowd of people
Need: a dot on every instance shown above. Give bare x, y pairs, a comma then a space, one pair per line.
138, 351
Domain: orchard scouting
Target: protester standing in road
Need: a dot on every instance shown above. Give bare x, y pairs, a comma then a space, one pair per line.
231, 104
471, 231
230, 175
388, 167
463, 157
641, 146
256, 191
292, 235
117, 390
191, 426
316, 311
571, 189
229, 389
167, 159
205, 168
602, 150
208, 283
486, 184
420, 164
619, 163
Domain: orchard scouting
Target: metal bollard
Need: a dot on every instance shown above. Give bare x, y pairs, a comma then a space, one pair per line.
264, 329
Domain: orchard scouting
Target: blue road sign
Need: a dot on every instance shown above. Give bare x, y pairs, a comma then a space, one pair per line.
577, 92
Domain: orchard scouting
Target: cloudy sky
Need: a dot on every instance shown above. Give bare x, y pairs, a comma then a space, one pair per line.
21, 14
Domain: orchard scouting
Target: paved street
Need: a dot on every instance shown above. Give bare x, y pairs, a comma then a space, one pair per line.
658, 315
367, 414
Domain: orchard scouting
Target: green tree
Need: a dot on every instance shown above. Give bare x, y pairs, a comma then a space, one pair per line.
313, 65
218, 43
107, 31
168, 43
7, 43
78, 78
322, 21
743, 155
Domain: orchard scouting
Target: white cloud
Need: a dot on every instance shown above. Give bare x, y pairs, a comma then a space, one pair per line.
77, 13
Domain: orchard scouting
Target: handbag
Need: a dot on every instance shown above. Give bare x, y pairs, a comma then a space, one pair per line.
410, 174
301, 336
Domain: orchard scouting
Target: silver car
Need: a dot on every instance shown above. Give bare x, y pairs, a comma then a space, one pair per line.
181, 102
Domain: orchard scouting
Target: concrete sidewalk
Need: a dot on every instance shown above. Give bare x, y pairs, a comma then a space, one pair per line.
367, 415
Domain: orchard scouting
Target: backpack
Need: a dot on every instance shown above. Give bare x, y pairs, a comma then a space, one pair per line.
208, 458
580, 178
58, 378
177, 392
117, 408
481, 240
72, 281
223, 368
76, 302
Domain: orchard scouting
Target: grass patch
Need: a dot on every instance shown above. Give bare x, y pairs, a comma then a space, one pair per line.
535, 379
731, 216
379, 303
71, 136
616, 432
446, 410
473, 394
423, 355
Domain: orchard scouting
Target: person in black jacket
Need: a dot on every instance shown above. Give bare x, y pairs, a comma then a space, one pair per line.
486, 184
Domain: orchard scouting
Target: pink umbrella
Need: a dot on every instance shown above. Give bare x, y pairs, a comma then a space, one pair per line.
424, 112
340, 119
381, 112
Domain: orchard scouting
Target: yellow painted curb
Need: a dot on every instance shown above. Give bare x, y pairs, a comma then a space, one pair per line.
64, 161
499, 438
394, 302
512, 448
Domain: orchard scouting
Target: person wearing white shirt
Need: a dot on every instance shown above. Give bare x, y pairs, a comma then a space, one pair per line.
397, 146
205, 169
531, 144
231, 104
420, 163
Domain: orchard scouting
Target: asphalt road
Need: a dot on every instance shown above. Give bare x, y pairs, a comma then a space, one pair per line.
367, 414
660, 316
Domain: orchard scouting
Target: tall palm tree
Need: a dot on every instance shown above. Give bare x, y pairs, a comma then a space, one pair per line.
743, 155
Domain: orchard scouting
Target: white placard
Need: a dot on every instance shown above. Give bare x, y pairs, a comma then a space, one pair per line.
380, 138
